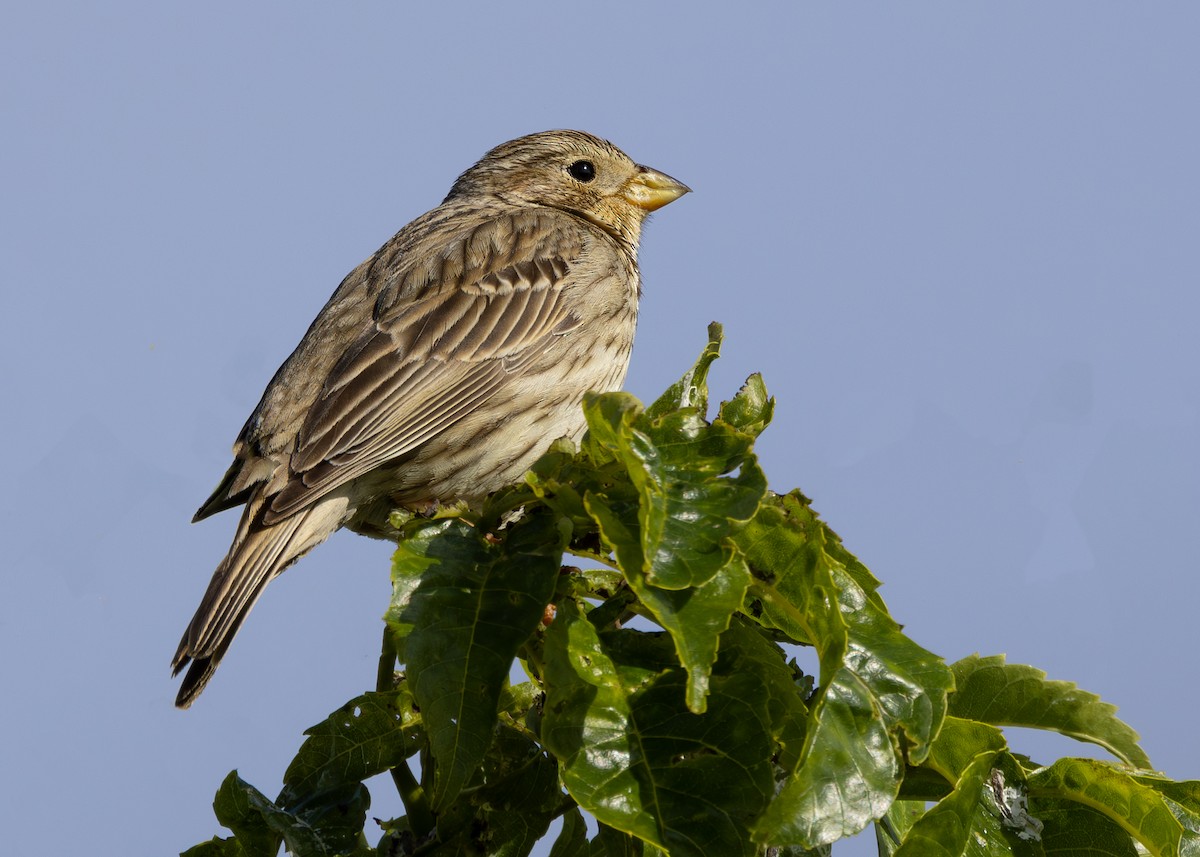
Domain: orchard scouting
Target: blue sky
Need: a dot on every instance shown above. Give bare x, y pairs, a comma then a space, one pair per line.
959, 239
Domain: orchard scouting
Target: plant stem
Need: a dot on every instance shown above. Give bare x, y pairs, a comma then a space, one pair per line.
412, 795
385, 676
420, 816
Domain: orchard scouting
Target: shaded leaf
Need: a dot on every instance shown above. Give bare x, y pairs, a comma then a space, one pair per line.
364, 737
331, 825
218, 847
614, 843
572, 840
895, 824
461, 608
1072, 829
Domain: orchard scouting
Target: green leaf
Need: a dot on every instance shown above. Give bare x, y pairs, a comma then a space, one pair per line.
910, 683
572, 839
959, 820
588, 725
614, 843
749, 411
364, 737
959, 743
462, 605
218, 847
993, 691
922, 783
1140, 809
674, 539
688, 504
691, 391
895, 824
520, 795
876, 683
667, 491
1183, 798
633, 755
848, 776
1072, 829
794, 555
511, 807
326, 827
244, 810
695, 618
797, 851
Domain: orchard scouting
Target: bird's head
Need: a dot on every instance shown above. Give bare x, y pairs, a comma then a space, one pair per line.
575, 172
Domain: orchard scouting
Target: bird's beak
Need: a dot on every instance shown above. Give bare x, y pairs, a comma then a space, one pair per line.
650, 189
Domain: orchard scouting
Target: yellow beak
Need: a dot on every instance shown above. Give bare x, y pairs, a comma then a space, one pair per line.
650, 189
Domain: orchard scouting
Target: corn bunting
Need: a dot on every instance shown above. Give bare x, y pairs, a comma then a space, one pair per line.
442, 366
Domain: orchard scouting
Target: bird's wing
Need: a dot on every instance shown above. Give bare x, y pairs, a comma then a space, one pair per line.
445, 336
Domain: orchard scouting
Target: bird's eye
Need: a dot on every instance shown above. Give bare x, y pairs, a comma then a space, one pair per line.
583, 171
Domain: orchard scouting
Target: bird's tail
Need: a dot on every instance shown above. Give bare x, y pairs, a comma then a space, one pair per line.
258, 555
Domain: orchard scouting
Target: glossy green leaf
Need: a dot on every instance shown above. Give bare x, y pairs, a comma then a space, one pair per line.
673, 539
959, 820
461, 607
689, 504
1138, 808
801, 570
695, 618
848, 776
633, 755
588, 725
910, 683
875, 683
993, 691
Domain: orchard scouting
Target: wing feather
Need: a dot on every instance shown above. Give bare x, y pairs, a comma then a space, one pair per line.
447, 345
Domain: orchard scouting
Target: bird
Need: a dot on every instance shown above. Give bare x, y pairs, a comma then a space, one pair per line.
441, 367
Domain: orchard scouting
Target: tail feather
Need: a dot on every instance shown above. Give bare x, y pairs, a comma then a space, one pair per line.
258, 555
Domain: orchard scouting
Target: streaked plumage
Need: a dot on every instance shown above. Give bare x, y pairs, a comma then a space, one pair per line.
441, 367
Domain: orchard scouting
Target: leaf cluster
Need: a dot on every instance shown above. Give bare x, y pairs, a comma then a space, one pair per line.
661, 695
